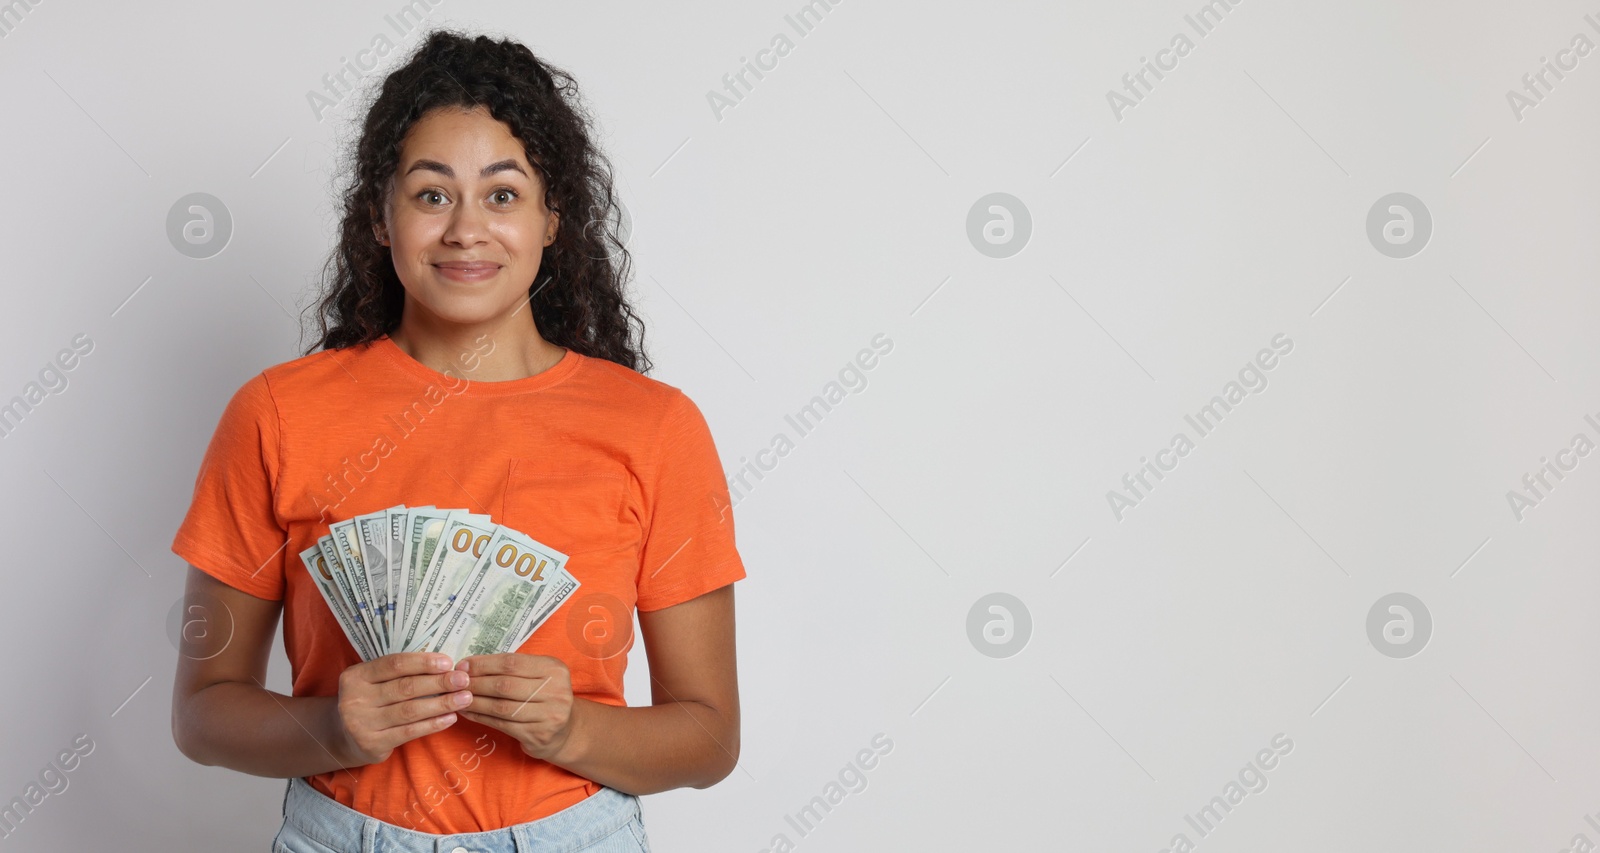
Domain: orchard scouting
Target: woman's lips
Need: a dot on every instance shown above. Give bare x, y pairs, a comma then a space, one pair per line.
468, 272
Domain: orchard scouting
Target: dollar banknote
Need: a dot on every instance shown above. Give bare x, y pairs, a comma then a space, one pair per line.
506, 587
423, 578
331, 583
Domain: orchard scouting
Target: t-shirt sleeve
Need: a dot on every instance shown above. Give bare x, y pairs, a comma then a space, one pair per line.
231, 531
688, 546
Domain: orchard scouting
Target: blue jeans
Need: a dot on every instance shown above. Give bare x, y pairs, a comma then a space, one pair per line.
609, 821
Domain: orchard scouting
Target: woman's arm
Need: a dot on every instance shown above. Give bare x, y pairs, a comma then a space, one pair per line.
222, 713
689, 736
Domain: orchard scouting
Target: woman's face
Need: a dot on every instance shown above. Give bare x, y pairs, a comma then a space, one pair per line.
466, 221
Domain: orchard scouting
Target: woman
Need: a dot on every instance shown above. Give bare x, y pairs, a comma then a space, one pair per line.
476, 352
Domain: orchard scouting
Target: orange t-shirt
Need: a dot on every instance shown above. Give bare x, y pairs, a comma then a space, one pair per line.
613, 468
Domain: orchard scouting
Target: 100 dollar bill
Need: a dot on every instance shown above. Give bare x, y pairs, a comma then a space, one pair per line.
504, 591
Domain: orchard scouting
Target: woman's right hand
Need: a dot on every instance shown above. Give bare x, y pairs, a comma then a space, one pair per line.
399, 697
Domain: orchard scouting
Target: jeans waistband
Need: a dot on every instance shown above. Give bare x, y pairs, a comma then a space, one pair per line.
343, 828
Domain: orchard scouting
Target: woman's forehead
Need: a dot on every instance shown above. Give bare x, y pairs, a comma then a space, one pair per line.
467, 142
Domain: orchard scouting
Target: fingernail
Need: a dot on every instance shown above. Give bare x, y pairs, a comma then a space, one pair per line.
441, 663
464, 665
458, 678
463, 698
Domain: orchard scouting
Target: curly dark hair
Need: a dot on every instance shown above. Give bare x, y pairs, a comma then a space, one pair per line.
577, 298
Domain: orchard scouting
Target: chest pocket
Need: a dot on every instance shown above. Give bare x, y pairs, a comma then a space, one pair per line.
578, 511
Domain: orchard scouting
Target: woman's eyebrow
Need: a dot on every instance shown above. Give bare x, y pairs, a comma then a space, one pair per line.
435, 166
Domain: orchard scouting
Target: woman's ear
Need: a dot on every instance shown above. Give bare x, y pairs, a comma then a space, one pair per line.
378, 229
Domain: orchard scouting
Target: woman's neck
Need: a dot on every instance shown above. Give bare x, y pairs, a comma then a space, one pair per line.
510, 349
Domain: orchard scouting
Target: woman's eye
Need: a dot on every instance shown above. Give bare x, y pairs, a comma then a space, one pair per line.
512, 193
425, 193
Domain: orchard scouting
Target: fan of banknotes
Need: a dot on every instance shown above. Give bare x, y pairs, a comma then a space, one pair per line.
424, 579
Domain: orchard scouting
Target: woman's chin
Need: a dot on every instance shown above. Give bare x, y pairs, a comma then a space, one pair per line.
471, 311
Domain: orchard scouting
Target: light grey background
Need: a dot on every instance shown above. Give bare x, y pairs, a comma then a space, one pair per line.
1168, 247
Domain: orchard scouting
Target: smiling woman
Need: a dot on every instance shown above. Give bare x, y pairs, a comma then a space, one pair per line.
479, 241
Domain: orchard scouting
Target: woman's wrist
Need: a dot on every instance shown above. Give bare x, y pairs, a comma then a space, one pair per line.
333, 733
574, 744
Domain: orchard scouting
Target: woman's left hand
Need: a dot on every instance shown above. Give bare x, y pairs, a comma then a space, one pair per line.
529, 697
